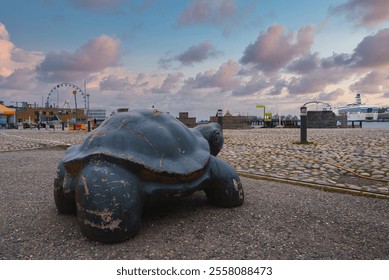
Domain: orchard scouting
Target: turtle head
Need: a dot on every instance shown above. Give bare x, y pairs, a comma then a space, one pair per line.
213, 133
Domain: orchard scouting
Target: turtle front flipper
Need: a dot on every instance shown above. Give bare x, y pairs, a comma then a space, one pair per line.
225, 188
109, 203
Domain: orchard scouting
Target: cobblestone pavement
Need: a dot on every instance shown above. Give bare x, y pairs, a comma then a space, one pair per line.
28, 139
356, 159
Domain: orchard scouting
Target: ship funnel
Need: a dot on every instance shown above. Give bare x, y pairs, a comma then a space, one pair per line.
358, 99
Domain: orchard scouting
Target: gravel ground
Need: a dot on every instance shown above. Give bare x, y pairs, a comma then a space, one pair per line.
277, 221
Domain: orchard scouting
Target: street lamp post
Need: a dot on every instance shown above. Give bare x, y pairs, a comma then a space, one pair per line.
303, 125
87, 110
75, 101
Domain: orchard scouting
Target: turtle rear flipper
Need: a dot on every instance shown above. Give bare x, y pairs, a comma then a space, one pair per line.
108, 203
64, 191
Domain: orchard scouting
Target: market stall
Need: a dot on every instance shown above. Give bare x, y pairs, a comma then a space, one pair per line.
7, 117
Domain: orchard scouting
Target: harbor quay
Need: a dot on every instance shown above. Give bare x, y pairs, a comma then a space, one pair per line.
345, 159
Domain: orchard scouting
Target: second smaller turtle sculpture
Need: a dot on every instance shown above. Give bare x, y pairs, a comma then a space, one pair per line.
137, 157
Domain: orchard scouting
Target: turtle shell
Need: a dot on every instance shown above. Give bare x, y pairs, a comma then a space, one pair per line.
150, 139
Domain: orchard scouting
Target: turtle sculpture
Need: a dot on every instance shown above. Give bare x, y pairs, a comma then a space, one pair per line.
135, 158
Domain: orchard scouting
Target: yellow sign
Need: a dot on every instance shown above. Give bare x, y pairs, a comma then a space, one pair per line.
268, 116
260, 106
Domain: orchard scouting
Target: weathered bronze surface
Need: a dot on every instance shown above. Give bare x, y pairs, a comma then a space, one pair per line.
135, 157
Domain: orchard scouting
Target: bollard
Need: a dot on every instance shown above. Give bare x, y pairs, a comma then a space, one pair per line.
303, 125
88, 126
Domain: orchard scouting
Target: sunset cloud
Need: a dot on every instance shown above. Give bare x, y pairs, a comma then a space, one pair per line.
373, 50
225, 78
16, 64
96, 4
256, 84
194, 54
6, 48
305, 64
114, 83
204, 11
170, 84
3, 32
316, 81
315, 74
370, 52
364, 12
20, 79
331, 96
374, 82
197, 53
274, 49
94, 56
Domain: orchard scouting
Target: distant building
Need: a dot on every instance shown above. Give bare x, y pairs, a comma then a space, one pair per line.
34, 115
233, 122
7, 116
98, 114
185, 119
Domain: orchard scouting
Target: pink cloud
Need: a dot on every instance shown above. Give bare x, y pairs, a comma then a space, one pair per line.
114, 83
20, 79
315, 74
305, 64
170, 84
365, 12
204, 11
274, 49
225, 78
370, 52
372, 83
96, 4
13, 58
194, 54
197, 53
331, 96
96, 55
317, 80
6, 48
373, 51
251, 87
3, 32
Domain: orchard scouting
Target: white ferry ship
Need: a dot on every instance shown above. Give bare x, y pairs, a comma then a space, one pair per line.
357, 111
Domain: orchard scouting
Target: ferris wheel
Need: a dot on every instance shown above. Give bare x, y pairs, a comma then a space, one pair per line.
74, 90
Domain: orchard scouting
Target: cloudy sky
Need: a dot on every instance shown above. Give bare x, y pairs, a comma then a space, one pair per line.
196, 55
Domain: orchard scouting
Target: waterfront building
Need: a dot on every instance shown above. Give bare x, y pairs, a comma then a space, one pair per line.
99, 114
34, 115
7, 117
